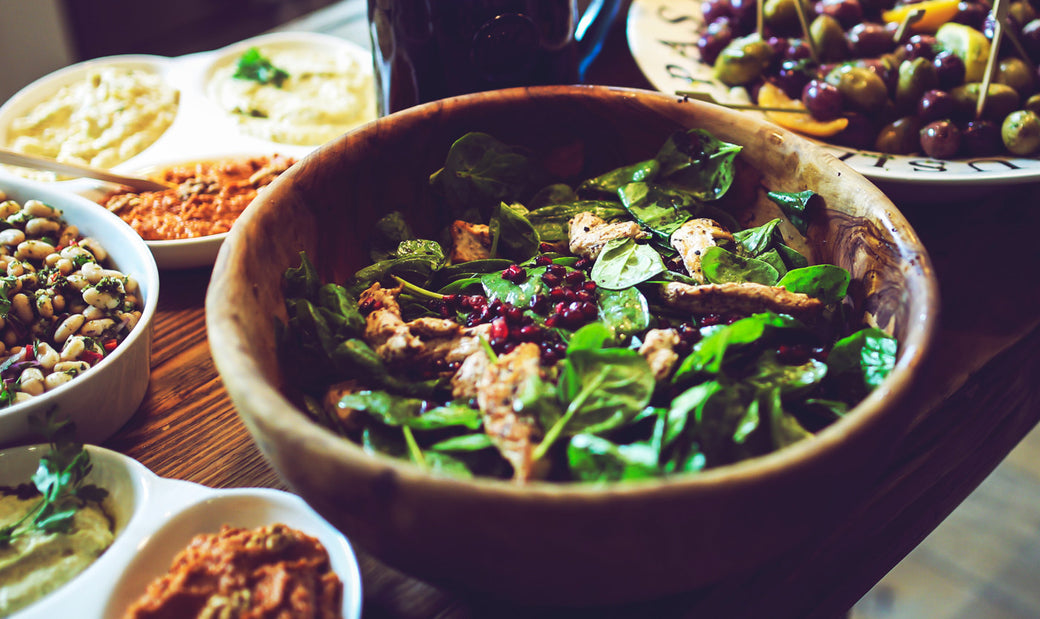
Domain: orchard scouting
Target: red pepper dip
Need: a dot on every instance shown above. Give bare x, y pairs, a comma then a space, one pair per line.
262, 573
206, 197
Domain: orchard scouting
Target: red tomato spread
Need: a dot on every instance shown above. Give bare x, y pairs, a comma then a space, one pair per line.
262, 573
205, 197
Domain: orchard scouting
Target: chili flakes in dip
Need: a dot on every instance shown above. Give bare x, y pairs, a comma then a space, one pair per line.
271, 571
205, 197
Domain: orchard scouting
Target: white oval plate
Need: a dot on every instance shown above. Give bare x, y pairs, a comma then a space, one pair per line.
663, 34
155, 518
200, 131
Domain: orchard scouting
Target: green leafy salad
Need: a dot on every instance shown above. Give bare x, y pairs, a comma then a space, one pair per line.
623, 327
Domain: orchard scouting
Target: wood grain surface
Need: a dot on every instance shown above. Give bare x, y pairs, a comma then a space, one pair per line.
979, 396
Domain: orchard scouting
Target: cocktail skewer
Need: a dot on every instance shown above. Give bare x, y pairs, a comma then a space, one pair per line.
1000, 11
703, 96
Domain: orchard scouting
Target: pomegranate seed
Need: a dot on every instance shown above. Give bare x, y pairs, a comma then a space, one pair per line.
514, 314
499, 329
550, 280
556, 270
530, 333
589, 286
569, 295
583, 296
574, 279
450, 300
583, 264
543, 261
553, 321
589, 310
546, 247
557, 294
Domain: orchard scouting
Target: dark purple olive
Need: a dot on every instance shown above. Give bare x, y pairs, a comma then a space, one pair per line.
716, 37
869, 39
711, 10
847, 12
949, 68
934, 105
981, 138
920, 46
1030, 39
744, 14
860, 132
797, 49
940, 139
824, 101
792, 78
899, 137
971, 13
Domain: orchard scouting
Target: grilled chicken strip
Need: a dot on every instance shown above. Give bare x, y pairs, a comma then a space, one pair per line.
514, 432
693, 238
658, 349
469, 241
739, 298
588, 233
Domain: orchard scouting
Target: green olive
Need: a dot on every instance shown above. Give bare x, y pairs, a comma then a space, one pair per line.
1001, 100
1021, 132
1033, 104
899, 137
782, 15
743, 61
1021, 12
829, 39
916, 77
862, 89
1015, 73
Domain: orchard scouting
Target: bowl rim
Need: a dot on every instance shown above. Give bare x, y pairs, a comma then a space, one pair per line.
270, 403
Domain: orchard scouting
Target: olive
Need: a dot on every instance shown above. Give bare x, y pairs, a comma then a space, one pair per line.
743, 61
940, 139
971, 14
712, 10
782, 15
971, 45
797, 49
1030, 39
862, 89
829, 39
744, 14
792, 78
934, 105
920, 46
1021, 12
949, 68
716, 37
1001, 100
1016, 73
899, 137
848, 13
981, 138
869, 39
823, 100
916, 77
1032, 104
1021, 132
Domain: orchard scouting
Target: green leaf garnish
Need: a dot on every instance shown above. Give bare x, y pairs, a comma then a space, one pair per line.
253, 65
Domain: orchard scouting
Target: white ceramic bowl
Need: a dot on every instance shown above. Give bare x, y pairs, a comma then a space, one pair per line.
200, 131
154, 519
102, 399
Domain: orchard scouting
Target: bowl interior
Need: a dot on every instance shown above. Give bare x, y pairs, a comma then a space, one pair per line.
617, 543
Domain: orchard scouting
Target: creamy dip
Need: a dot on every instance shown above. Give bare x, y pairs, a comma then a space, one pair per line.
102, 120
325, 94
37, 563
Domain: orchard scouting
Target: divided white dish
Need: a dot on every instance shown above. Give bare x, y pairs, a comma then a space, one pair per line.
200, 131
155, 518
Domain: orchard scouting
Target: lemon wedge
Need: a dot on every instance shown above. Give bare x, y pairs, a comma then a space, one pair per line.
936, 13
770, 95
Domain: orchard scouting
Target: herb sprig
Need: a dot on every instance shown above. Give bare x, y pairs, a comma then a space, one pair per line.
59, 479
253, 65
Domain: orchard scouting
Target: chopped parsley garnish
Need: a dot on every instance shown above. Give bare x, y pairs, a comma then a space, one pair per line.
253, 65
59, 479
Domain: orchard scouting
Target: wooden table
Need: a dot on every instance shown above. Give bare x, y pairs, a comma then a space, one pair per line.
979, 396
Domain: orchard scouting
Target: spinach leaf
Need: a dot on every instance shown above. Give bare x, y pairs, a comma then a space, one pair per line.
480, 172
795, 206
595, 459
721, 341
686, 405
625, 312
390, 231
603, 388
417, 269
465, 442
609, 183
517, 238
297, 282
869, 354
521, 294
720, 265
658, 208
592, 336
624, 263
551, 222
252, 65
784, 427
556, 193
340, 310
826, 282
699, 163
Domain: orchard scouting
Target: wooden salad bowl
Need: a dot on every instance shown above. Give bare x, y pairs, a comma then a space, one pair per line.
560, 543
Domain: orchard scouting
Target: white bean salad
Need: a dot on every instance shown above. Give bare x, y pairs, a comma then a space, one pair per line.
61, 309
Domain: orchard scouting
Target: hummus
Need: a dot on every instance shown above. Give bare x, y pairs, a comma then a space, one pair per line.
324, 95
102, 120
37, 563
272, 571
